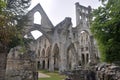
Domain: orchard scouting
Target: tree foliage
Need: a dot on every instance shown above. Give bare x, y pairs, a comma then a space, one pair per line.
106, 29
2, 5
18, 7
12, 19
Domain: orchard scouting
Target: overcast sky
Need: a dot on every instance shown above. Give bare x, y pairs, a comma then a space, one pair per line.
57, 10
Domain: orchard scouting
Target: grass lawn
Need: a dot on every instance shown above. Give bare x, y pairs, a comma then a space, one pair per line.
53, 75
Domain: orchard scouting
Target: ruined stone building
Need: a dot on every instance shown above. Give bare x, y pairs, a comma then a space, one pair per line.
63, 47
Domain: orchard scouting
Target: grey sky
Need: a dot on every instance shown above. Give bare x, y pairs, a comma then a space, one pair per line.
57, 10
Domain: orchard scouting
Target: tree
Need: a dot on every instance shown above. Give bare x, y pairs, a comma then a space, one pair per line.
11, 16
2, 5
106, 29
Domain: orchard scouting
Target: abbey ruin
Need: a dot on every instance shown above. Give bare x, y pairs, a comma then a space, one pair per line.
63, 47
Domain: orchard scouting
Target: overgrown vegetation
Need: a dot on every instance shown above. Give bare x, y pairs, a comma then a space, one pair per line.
106, 29
12, 13
12, 21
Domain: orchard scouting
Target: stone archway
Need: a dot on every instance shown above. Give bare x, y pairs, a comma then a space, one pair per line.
36, 19
42, 23
43, 64
56, 56
38, 65
85, 46
87, 58
43, 59
71, 57
83, 59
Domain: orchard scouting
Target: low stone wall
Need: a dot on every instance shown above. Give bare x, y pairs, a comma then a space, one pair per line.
99, 72
81, 74
108, 72
21, 66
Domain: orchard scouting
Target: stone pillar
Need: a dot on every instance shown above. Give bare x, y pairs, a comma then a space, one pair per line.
63, 59
41, 64
46, 63
77, 14
51, 62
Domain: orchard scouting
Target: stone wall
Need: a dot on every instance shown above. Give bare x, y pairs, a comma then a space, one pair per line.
108, 72
21, 66
63, 47
102, 71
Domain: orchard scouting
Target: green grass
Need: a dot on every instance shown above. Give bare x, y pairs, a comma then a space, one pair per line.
53, 75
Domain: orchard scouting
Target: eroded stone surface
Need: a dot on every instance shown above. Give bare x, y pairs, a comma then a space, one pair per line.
21, 66
61, 47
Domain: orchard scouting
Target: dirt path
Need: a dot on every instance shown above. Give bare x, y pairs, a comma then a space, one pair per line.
41, 75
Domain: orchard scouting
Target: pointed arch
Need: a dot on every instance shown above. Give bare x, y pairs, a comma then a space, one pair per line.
38, 53
43, 53
71, 56
42, 58
47, 52
85, 43
87, 58
56, 56
83, 59
84, 37
37, 18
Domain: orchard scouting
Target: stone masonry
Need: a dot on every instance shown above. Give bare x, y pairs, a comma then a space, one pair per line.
63, 47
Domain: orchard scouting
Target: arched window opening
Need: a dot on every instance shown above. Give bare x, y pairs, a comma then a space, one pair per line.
74, 35
86, 11
56, 57
48, 64
69, 58
48, 52
37, 18
43, 63
86, 37
87, 58
79, 63
36, 34
83, 59
82, 49
86, 19
43, 53
38, 64
83, 10
86, 48
82, 32
81, 39
26, 36
80, 17
38, 53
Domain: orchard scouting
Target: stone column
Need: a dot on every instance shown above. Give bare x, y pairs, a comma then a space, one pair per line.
63, 58
46, 63
41, 64
51, 62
